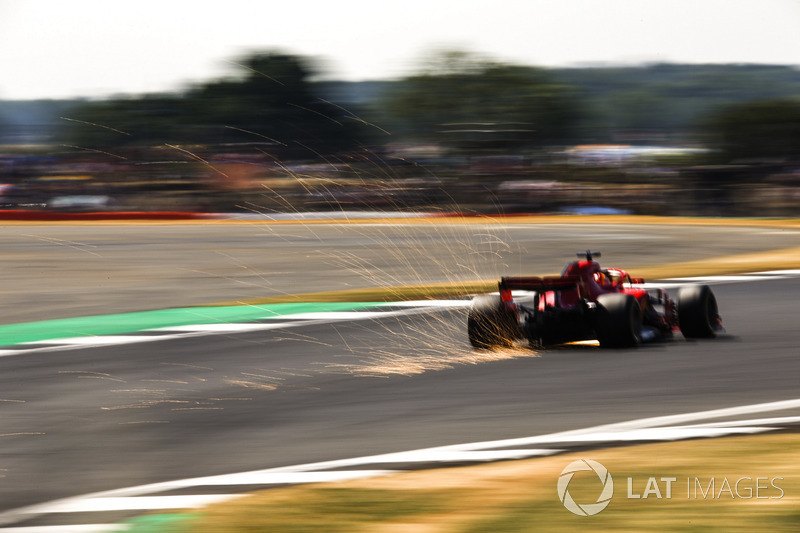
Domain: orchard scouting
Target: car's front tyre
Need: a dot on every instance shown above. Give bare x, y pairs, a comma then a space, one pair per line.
698, 316
618, 321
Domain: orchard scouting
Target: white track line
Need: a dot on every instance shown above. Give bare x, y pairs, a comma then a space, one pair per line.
99, 340
79, 528
428, 303
661, 428
727, 279
406, 308
675, 283
646, 429
142, 503
270, 323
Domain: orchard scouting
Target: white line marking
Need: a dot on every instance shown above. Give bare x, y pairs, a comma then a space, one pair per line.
434, 455
753, 276
266, 477
220, 328
411, 307
655, 428
620, 427
662, 434
781, 273
782, 421
338, 315
725, 279
142, 503
429, 303
78, 528
72, 343
99, 340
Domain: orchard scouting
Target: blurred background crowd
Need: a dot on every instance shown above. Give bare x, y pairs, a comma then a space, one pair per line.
463, 134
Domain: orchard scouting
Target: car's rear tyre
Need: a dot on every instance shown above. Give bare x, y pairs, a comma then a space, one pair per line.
698, 316
490, 324
619, 321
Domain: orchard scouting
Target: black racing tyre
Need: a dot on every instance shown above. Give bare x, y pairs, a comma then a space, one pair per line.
619, 321
698, 315
490, 325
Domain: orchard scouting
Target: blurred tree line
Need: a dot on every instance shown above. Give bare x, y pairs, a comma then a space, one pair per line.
474, 104
759, 130
457, 100
673, 101
273, 104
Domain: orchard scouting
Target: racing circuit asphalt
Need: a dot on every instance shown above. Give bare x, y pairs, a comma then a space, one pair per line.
101, 418
58, 271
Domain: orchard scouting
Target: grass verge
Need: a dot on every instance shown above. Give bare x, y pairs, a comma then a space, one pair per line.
521, 496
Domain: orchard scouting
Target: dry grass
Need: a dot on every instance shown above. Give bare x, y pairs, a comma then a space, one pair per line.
521, 496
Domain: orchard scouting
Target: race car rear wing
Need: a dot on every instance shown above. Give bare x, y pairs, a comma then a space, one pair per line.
537, 284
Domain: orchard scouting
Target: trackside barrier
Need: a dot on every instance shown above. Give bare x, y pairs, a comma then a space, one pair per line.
30, 215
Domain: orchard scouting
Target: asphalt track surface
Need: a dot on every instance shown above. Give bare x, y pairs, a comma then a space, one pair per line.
101, 418
58, 271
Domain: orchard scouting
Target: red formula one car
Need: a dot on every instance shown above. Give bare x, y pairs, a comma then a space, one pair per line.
588, 302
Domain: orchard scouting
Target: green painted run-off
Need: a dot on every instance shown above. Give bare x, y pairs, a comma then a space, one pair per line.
93, 326
160, 523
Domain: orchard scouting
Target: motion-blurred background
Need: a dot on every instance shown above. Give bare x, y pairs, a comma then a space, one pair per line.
460, 131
